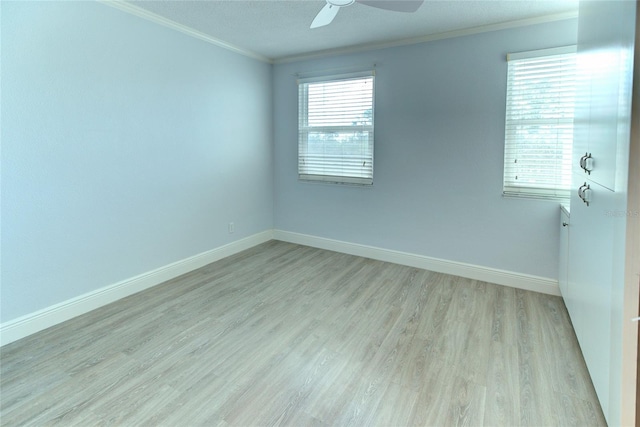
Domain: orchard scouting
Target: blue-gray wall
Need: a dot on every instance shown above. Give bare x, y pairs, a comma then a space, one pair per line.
126, 146
439, 142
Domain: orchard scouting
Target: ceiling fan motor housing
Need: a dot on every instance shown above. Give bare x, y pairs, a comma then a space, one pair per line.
341, 3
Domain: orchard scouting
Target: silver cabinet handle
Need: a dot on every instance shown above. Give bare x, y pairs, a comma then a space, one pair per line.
584, 192
586, 195
580, 191
586, 163
564, 224
635, 319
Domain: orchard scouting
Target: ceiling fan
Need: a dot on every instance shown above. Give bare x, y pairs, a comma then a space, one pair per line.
330, 10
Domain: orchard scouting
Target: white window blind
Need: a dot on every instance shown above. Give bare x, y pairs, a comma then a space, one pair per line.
335, 128
539, 123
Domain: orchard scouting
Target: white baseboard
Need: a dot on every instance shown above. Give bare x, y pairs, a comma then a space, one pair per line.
58, 313
501, 277
34, 322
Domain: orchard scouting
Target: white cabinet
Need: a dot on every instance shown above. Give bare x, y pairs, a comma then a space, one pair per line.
594, 288
563, 264
604, 67
589, 287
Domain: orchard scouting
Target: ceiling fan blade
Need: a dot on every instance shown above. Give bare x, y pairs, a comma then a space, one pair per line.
325, 16
395, 5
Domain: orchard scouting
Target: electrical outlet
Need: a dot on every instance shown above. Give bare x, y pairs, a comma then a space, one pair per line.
232, 227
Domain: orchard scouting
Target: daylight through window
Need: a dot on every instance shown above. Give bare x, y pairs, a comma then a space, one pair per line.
539, 123
335, 128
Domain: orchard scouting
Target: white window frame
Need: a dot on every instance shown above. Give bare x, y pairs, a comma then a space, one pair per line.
539, 135
314, 162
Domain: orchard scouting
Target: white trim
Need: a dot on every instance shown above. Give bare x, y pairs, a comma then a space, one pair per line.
492, 275
431, 37
34, 322
302, 78
562, 50
153, 17
42, 319
150, 16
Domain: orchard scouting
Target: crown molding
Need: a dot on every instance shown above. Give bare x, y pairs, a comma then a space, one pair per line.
431, 37
150, 16
131, 9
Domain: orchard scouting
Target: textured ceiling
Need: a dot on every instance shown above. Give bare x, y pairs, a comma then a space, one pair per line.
279, 29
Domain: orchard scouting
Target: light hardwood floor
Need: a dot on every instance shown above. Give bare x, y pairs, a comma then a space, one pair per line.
283, 334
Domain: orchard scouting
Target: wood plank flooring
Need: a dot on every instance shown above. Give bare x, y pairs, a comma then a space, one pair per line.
283, 334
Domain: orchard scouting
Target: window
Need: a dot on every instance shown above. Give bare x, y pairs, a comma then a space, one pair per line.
539, 123
335, 129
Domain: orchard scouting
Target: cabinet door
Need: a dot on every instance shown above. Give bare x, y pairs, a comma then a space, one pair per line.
590, 282
563, 262
605, 55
